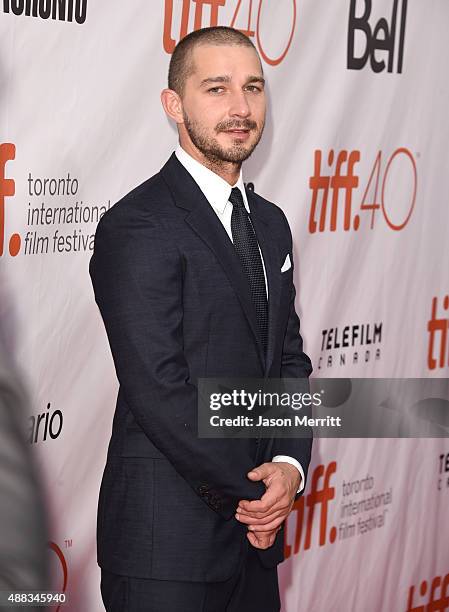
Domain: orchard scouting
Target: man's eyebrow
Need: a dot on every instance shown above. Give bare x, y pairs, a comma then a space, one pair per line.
225, 78
256, 79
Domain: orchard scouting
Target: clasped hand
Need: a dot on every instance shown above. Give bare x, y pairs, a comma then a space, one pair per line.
265, 516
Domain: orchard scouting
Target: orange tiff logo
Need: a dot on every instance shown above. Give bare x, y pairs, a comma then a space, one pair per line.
437, 328
437, 597
319, 497
181, 11
7, 189
333, 184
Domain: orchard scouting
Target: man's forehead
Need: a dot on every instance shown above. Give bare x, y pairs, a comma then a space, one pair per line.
209, 60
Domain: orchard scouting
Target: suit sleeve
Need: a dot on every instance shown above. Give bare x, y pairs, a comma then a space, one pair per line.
294, 364
137, 275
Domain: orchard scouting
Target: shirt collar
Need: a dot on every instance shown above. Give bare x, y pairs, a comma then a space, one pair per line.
215, 189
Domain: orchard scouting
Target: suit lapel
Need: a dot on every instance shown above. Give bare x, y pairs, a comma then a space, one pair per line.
205, 223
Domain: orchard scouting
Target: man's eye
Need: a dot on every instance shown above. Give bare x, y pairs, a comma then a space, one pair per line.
215, 89
254, 88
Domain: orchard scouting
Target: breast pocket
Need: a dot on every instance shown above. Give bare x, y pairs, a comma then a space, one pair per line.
287, 277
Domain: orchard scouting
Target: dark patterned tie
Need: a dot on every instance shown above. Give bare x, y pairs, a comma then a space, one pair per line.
246, 245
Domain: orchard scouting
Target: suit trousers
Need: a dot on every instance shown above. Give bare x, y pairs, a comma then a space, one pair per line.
253, 588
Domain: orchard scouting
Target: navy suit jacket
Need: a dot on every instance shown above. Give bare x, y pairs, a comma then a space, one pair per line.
176, 306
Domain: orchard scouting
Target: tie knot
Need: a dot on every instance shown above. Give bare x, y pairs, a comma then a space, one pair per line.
236, 198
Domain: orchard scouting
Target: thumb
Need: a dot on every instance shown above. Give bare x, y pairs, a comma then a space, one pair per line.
260, 472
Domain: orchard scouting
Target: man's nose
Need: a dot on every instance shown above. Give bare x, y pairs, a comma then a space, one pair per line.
239, 105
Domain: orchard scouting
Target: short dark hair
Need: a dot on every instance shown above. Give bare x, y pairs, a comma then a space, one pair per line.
181, 63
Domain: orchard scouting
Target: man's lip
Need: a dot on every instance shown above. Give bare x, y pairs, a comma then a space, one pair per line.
238, 130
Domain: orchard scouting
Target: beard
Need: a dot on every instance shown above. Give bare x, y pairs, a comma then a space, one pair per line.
215, 153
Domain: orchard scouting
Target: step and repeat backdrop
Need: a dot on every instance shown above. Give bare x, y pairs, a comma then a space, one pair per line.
355, 153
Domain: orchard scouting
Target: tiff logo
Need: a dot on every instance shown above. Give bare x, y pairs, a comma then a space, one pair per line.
7, 189
379, 42
437, 328
247, 17
343, 179
436, 598
319, 496
333, 174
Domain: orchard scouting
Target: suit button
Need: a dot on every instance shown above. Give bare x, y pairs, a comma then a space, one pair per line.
202, 489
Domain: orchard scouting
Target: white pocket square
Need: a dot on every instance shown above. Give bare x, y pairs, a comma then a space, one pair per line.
287, 264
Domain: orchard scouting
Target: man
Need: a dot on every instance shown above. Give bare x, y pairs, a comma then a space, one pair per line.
181, 274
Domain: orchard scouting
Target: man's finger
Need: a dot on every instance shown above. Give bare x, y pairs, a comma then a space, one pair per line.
254, 514
258, 542
271, 496
262, 541
270, 527
247, 520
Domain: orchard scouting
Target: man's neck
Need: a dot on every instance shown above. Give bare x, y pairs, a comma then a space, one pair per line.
228, 171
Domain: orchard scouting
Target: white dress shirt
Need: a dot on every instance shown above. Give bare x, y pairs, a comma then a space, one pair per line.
217, 191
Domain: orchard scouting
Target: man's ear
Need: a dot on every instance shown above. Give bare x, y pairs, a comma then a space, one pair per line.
172, 104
